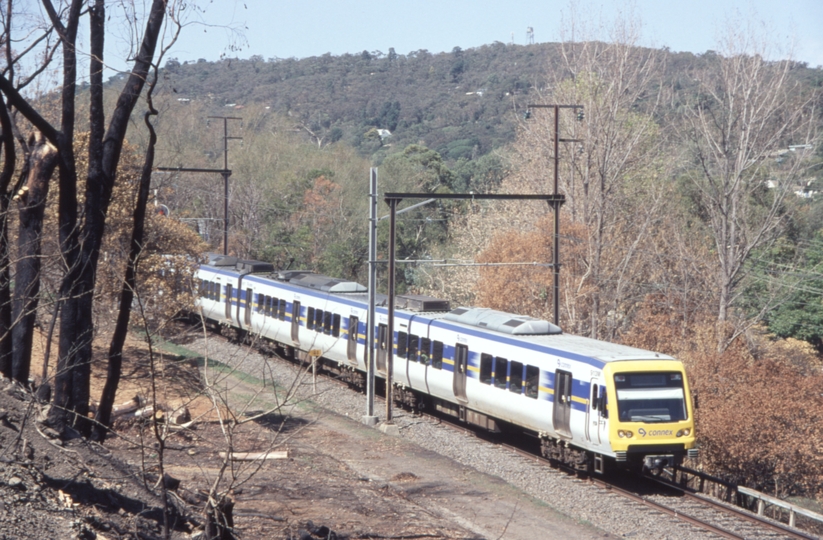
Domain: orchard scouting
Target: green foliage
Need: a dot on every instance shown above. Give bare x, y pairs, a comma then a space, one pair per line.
801, 315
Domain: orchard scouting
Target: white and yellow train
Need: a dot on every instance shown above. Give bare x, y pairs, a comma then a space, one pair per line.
589, 402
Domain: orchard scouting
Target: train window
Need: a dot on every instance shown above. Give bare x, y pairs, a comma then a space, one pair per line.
501, 372
318, 320
425, 350
402, 339
414, 341
310, 318
532, 381
594, 397
327, 319
335, 325
603, 402
275, 304
208, 290
261, 303
437, 355
516, 377
486, 368
281, 314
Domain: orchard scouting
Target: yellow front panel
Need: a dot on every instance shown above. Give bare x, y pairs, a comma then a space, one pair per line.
643, 432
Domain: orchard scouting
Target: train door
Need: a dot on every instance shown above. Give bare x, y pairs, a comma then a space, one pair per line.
561, 417
593, 413
461, 365
295, 322
382, 347
351, 345
249, 304
228, 300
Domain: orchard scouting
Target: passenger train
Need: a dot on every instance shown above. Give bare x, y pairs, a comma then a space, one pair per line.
590, 403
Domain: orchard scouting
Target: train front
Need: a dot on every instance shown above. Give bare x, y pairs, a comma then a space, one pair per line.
651, 413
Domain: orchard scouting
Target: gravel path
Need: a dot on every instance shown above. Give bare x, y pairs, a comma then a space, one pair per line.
566, 494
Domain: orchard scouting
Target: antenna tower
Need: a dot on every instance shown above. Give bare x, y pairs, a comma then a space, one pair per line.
530, 35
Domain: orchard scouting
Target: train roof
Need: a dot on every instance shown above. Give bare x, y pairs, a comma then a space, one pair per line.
527, 332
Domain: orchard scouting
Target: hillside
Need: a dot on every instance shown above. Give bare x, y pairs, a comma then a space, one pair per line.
462, 104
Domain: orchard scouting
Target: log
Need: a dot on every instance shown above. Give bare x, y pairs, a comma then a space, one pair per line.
254, 456
124, 408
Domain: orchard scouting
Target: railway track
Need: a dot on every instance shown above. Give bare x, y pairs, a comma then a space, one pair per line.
695, 509
712, 517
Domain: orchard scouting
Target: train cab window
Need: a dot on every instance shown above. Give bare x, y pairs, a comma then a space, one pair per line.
501, 372
281, 313
486, 368
437, 355
413, 342
402, 340
425, 350
532, 381
327, 319
335, 325
310, 318
516, 377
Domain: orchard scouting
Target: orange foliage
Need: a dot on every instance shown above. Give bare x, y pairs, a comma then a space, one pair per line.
528, 289
760, 415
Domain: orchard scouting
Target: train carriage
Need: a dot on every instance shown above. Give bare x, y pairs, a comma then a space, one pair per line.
588, 401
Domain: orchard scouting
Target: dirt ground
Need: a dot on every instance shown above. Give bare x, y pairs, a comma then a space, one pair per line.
341, 479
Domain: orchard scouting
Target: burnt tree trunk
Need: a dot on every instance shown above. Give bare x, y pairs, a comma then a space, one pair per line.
74, 374
103, 417
32, 205
9, 161
219, 520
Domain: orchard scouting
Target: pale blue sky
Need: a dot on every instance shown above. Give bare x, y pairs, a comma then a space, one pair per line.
314, 27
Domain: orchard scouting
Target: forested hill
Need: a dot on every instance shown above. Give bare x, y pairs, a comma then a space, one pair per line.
461, 104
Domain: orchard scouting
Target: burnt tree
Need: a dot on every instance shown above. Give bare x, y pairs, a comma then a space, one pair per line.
31, 200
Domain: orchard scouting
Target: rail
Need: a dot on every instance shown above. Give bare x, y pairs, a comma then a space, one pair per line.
731, 492
763, 499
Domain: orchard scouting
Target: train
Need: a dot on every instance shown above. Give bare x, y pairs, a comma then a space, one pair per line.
591, 404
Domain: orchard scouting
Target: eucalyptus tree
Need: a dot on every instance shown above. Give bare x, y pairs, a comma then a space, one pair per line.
749, 129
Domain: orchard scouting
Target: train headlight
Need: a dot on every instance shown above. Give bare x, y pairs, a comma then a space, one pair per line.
684, 432
624, 433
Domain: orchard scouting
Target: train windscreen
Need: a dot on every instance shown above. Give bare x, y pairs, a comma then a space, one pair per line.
650, 397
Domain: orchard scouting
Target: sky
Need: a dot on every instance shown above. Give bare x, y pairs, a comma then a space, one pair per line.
276, 29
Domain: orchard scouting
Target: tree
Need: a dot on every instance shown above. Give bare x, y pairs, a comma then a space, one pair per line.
81, 233
746, 110
610, 176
